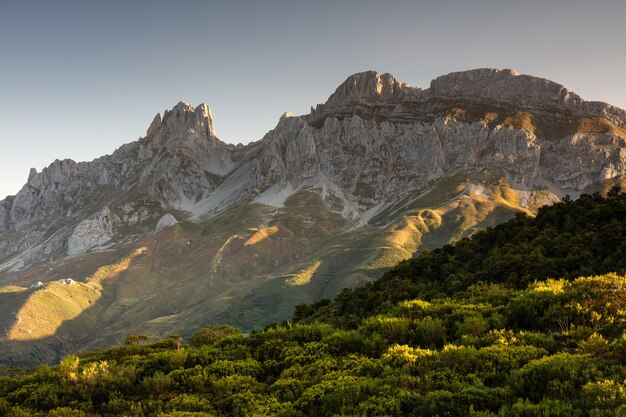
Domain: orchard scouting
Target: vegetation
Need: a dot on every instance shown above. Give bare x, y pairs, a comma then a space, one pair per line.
566, 240
525, 319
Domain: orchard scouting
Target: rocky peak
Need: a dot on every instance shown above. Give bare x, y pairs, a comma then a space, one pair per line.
286, 115
155, 125
508, 88
369, 86
58, 171
185, 115
366, 94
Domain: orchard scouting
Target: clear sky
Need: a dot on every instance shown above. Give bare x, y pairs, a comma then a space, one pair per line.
80, 78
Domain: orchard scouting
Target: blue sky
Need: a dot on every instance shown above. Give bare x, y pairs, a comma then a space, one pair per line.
80, 78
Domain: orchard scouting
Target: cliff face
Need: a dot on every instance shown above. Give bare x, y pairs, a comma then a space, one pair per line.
328, 199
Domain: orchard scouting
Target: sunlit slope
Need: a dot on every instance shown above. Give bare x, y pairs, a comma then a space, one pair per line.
47, 308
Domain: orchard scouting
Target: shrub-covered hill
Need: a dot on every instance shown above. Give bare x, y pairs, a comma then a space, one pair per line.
495, 344
566, 240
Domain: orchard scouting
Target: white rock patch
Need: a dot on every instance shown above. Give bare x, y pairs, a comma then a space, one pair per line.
91, 233
165, 221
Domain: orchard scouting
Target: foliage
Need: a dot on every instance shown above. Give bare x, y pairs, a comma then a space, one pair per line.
211, 334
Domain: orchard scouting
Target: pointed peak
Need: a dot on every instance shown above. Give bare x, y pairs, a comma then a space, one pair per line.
31, 175
286, 115
204, 116
180, 109
184, 114
204, 110
182, 105
155, 125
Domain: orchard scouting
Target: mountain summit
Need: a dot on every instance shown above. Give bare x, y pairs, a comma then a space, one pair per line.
179, 228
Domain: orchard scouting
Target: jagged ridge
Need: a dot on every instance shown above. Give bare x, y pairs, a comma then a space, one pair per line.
326, 200
184, 166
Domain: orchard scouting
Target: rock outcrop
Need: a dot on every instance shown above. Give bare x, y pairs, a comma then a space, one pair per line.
167, 220
5, 214
91, 233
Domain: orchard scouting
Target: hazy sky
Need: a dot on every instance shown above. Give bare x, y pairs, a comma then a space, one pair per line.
80, 78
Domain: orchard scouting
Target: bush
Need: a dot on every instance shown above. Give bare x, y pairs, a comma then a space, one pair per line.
212, 334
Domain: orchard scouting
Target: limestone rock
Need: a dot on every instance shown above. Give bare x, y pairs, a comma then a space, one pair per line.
167, 220
91, 233
5, 214
371, 87
503, 86
198, 118
154, 126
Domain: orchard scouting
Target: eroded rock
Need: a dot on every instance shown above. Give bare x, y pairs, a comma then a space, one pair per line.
91, 233
167, 220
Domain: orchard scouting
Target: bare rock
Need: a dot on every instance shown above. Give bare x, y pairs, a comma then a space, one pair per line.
91, 233
154, 126
167, 220
5, 214
185, 115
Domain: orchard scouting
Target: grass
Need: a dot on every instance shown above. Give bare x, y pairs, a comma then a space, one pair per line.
46, 309
304, 275
261, 235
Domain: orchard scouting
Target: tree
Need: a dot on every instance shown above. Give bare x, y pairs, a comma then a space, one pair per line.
211, 334
136, 339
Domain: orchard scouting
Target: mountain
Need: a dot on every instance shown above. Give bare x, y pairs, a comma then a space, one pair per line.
179, 229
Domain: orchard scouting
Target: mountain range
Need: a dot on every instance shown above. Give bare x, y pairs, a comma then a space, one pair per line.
180, 229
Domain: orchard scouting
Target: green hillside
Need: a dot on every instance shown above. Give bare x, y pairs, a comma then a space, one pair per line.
566, 240
524, 319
